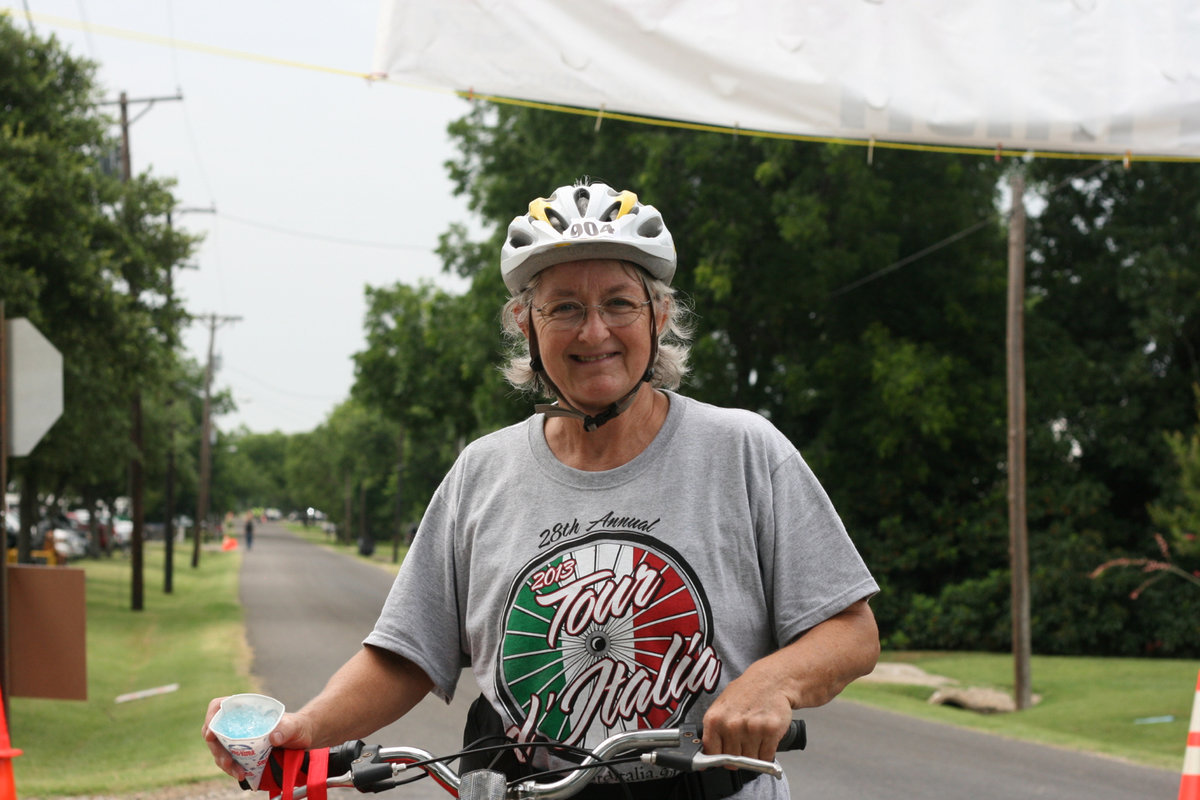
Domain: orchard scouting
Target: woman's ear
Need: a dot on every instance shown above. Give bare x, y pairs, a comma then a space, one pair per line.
663, 311
521, 315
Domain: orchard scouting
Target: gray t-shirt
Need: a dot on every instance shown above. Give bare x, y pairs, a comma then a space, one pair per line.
589, 603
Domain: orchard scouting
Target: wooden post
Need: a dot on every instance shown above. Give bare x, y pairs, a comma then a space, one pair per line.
1018, 531
137, 481
4, 511
205, 449
399, 511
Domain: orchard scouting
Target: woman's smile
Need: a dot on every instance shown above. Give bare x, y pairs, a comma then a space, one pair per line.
593, 359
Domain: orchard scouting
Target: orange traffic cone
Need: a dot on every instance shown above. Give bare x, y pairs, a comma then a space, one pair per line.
8, 786
1189, 784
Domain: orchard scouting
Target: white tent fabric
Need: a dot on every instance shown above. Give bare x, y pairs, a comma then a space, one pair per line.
1068, 76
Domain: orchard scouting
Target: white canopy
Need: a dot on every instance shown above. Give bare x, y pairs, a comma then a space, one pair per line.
1070, 76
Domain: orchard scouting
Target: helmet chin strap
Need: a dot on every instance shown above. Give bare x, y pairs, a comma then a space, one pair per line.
562, 408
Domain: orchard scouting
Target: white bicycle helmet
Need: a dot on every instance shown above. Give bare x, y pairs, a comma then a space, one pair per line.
585, 222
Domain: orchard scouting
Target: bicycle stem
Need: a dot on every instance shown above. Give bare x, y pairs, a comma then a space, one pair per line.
612, 746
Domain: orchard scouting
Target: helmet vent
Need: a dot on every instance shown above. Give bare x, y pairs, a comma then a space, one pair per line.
556, 219
651, 228
520, 239
610, 213
583, 197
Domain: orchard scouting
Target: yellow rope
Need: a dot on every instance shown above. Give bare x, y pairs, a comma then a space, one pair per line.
799, 137
167, 41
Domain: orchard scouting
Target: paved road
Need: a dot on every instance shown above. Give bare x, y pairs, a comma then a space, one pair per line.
307, 611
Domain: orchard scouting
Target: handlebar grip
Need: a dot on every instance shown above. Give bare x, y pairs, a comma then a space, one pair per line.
343, 755
796, 738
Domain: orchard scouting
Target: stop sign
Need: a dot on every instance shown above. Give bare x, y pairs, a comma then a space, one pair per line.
35, 386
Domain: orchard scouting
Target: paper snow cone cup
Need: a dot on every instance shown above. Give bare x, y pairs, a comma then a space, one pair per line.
243, 725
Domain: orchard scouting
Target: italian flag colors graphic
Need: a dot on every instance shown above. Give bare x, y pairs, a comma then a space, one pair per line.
605, 634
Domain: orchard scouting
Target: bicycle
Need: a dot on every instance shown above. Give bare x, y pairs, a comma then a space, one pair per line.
373, 768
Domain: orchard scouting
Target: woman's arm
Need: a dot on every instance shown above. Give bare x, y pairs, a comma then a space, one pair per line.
373, 689
753, 712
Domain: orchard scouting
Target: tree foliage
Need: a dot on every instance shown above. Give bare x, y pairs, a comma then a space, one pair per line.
86, 258
861, 306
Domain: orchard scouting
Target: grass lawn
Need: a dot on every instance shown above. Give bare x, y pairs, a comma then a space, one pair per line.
194, 638
1112, 706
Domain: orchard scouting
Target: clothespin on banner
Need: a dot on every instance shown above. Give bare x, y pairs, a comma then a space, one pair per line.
871, 151
599, 117
1127, 157
999, 153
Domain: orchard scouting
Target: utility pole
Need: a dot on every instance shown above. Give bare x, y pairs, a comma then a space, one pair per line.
206, 441
1017, 523
4, 658
137, 481
169, 496
399, 529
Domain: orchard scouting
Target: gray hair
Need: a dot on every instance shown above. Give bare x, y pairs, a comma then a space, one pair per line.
674, 339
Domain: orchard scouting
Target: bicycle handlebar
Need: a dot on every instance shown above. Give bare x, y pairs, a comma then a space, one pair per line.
371, 768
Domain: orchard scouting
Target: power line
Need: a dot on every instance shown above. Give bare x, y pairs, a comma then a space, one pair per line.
324, 237
895, 265
285, 392
962, 234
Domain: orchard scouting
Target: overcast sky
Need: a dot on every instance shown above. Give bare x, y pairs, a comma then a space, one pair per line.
322, 183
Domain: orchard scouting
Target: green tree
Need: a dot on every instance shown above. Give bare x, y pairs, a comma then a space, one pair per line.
345, 469
1177, 511
309, 469
84, 257
249, 471
430, 368
1113, 332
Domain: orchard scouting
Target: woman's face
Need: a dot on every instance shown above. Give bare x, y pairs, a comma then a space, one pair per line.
594, 363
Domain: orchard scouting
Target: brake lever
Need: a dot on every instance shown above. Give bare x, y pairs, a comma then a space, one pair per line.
701, 761
688, 758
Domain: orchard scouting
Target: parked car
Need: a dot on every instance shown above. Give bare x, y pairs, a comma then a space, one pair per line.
69, 543
60, 533
122, 531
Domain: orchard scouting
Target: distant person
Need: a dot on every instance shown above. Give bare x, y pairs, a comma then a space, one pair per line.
249, 531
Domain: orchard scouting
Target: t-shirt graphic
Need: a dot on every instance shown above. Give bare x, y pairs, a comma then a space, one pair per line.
604, 633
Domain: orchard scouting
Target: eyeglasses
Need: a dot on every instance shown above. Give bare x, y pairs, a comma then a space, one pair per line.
615, 312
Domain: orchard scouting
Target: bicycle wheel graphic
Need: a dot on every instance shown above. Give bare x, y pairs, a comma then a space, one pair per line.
594, 617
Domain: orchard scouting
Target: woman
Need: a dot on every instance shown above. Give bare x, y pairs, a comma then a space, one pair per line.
625, 558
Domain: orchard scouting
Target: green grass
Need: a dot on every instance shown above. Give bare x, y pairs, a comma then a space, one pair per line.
193, 637
1089, 704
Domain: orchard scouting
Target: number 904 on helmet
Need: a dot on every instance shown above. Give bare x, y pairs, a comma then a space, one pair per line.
586, 222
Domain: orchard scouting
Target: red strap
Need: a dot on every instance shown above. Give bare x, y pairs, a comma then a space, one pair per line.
318, 773
292, 759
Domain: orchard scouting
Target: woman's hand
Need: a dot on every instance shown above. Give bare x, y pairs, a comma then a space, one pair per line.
292, 732
754, 711
748, 718
373, 689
